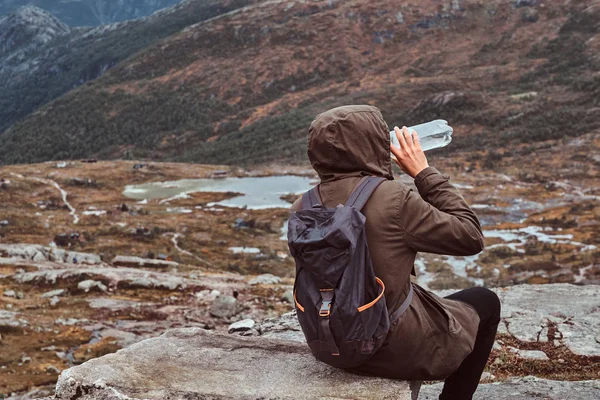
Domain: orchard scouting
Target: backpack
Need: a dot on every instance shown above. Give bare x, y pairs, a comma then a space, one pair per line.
339, 301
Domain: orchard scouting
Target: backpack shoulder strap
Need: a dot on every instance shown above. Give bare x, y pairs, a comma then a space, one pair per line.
311, 199
363, 192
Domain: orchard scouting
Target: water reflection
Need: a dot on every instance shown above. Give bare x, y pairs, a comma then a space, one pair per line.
257, 192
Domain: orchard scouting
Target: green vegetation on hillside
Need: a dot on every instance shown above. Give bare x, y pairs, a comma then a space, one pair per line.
218, 93
84, 55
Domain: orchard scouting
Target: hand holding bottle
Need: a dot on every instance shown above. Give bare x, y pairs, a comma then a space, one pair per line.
409, 156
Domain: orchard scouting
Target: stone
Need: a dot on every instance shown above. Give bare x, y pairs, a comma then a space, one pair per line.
399, 17
242, 326
89, 284
54, 293
207, 295
265, 279
9, 293
9, 320
54, 301
51, 369
37, 253
231, 367
284, 327
69, 321
527, 326
224, 307
132, 262
288, 296
486, 376
112, 304
579, 334
525, 388
529, 354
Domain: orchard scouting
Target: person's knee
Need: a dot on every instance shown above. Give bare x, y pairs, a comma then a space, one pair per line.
491, 301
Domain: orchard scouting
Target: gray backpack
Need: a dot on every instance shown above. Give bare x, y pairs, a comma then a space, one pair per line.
340, 302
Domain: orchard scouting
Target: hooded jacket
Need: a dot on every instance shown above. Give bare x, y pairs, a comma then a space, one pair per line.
431, 339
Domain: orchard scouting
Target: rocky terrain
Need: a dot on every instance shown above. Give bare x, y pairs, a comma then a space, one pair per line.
269, 362
91, 12
96, 256
242, 87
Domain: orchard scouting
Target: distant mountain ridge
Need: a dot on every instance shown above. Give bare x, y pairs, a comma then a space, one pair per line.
243, 87
91, 12
42, 58
28, 27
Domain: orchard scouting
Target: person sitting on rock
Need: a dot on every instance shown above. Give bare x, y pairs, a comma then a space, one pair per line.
435, 338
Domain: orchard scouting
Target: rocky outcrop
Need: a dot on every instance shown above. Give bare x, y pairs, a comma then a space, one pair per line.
193, 363
275, 362
130, 261
26, 253
526, 388
28, 27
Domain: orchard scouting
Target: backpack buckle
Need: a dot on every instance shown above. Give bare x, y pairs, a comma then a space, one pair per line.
325, 309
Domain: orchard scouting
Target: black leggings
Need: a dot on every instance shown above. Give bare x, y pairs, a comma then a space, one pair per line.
463, 382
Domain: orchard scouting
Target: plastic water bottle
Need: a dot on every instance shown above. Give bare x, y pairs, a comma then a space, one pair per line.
432, 135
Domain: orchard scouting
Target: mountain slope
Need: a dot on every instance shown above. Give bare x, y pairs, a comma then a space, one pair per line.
28, 27
242, 88
37, 69
91, 12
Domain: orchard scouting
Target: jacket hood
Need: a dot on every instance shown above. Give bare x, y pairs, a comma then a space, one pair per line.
350, 141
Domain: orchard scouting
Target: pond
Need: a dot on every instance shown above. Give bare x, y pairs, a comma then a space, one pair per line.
257, 192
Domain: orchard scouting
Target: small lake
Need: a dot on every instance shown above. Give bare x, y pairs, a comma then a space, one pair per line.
258, 192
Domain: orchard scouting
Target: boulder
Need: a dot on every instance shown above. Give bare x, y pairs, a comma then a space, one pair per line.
90, 284
54, 293
224, 307
526, 388
192, 363
244, 325
284, 327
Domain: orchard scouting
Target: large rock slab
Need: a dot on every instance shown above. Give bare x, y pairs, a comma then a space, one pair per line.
526, 388
528, 311
192, 363
131, 261
21, 253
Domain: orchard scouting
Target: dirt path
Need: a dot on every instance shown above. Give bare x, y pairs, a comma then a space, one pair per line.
63, 193
174, 237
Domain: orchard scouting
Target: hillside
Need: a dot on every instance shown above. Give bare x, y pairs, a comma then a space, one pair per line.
91, 12
42, 58
242, 88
